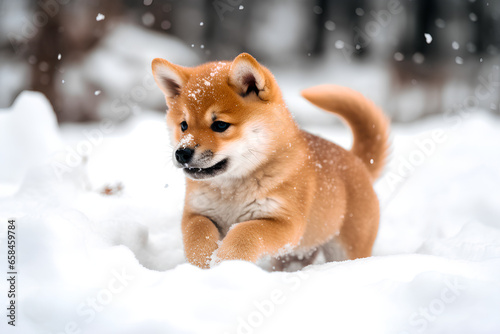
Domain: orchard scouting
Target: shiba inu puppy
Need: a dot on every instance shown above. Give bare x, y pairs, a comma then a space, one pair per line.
258, 185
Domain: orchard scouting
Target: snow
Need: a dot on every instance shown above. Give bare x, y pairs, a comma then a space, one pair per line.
440, 23
92, 263
100, 17
148, 19
428, 38
129, 47
339, 44
330, 25
398, 56
186, 140
28, 136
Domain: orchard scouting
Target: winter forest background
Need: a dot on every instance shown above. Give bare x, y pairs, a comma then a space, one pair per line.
412, 57
86, 166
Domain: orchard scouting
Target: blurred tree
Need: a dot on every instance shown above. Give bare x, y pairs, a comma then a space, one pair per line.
70, 32
278, 32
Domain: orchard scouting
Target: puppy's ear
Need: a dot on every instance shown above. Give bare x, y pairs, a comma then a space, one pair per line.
169, 77
248, 77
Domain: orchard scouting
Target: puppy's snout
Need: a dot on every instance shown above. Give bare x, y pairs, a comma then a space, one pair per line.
184, 155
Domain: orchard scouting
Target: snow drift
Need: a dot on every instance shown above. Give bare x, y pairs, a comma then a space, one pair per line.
98, 210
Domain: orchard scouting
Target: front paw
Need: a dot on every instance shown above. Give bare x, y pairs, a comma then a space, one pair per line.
201, 254
236, 250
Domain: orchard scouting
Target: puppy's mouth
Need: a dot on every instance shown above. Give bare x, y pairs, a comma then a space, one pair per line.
205, 173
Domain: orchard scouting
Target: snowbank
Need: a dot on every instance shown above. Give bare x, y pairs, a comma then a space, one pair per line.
95, 263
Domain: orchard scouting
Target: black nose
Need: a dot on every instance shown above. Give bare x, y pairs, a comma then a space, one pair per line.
184, 155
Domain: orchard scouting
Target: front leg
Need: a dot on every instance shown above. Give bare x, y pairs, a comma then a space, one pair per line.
253, 239
200, 237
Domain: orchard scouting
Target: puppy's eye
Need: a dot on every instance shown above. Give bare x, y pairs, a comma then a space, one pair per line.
219, 126
184, 126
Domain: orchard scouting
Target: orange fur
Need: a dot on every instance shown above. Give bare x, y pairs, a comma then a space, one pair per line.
263, 186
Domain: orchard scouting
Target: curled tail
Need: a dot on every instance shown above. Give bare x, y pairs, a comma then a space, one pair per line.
369, 125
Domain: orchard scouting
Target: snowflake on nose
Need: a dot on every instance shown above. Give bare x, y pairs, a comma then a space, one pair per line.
186, 140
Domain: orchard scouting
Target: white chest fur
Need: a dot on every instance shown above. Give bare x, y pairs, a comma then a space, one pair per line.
227, 206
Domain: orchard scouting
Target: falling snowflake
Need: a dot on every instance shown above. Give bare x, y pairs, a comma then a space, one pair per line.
398, 56
100, 17
418, 58
59, 57
428, 38
97, 92
440, 23
330, 25
471, 47
148, 19
317, 10
165, 24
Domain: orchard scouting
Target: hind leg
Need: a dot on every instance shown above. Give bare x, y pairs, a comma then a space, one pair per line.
360, 222
333, 250
349, 245
293, 262
358, 234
